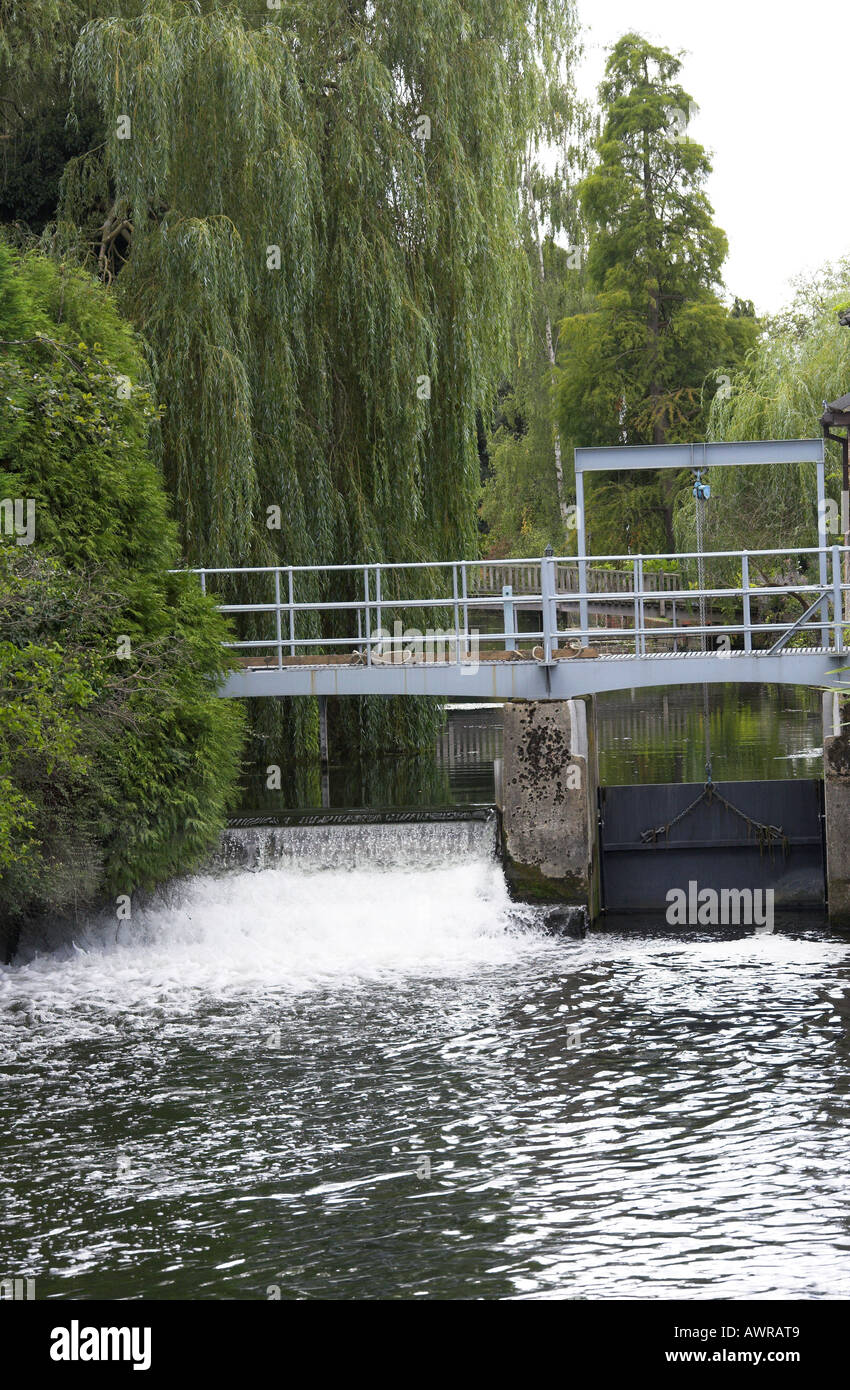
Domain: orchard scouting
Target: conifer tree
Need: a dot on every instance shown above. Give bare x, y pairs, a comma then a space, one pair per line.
635, 367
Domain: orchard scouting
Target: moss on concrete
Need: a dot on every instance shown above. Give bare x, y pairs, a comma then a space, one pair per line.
528, 883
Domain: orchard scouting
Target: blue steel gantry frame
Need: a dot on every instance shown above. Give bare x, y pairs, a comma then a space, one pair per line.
625, 457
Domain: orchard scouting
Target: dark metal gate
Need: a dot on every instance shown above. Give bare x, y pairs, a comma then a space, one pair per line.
711, 844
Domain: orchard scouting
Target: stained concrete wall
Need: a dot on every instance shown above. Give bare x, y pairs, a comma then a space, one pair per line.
549, 801
836, 787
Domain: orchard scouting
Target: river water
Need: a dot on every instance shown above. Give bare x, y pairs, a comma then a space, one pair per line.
355, 1074
755, 733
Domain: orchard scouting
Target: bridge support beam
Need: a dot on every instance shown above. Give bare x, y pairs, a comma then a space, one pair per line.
836, 788
549, 802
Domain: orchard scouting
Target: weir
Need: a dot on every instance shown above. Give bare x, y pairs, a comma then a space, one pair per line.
374, 841
359, 840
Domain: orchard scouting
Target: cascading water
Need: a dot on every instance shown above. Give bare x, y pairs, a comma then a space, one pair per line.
356, 844
361, 1071
301, 905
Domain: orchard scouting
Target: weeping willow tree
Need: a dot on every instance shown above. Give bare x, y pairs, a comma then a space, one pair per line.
310, 211
801, 359
526, 498
37, 40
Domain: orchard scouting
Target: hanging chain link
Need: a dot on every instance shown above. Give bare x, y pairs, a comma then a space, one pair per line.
768, 837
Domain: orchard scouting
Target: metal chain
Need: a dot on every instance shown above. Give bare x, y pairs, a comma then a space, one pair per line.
768, 836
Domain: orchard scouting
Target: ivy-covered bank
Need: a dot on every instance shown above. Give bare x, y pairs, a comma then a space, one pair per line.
117, 760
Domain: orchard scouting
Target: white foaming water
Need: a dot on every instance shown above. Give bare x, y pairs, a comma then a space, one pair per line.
358, 844
221, 935
257, 1060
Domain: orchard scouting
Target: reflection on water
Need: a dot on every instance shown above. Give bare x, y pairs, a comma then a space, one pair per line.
360, 1084
356, 1074
757, 733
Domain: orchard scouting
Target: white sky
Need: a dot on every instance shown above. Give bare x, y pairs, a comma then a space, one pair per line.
770, 80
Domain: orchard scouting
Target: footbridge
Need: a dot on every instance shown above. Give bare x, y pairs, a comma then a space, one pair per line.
543, 634
434, 630
553, 627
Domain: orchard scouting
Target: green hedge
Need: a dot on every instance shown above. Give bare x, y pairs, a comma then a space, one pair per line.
117, 760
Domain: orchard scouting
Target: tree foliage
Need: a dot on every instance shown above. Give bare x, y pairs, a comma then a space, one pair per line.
311, 213
37, 39
802, 359
117, 758
525, 500
641, 364
519, 501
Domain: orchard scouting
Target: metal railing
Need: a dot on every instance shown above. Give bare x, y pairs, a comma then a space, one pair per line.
371, 628
489, 577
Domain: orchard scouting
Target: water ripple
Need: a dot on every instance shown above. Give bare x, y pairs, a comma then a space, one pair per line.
182, 1122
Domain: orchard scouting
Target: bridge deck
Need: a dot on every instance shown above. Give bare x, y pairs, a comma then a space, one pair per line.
521, 678
363, 613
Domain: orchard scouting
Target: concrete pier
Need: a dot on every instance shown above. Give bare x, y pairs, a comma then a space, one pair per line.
549, 802
836, 794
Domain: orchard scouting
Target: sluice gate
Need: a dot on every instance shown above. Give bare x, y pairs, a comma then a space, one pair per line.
732, 835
